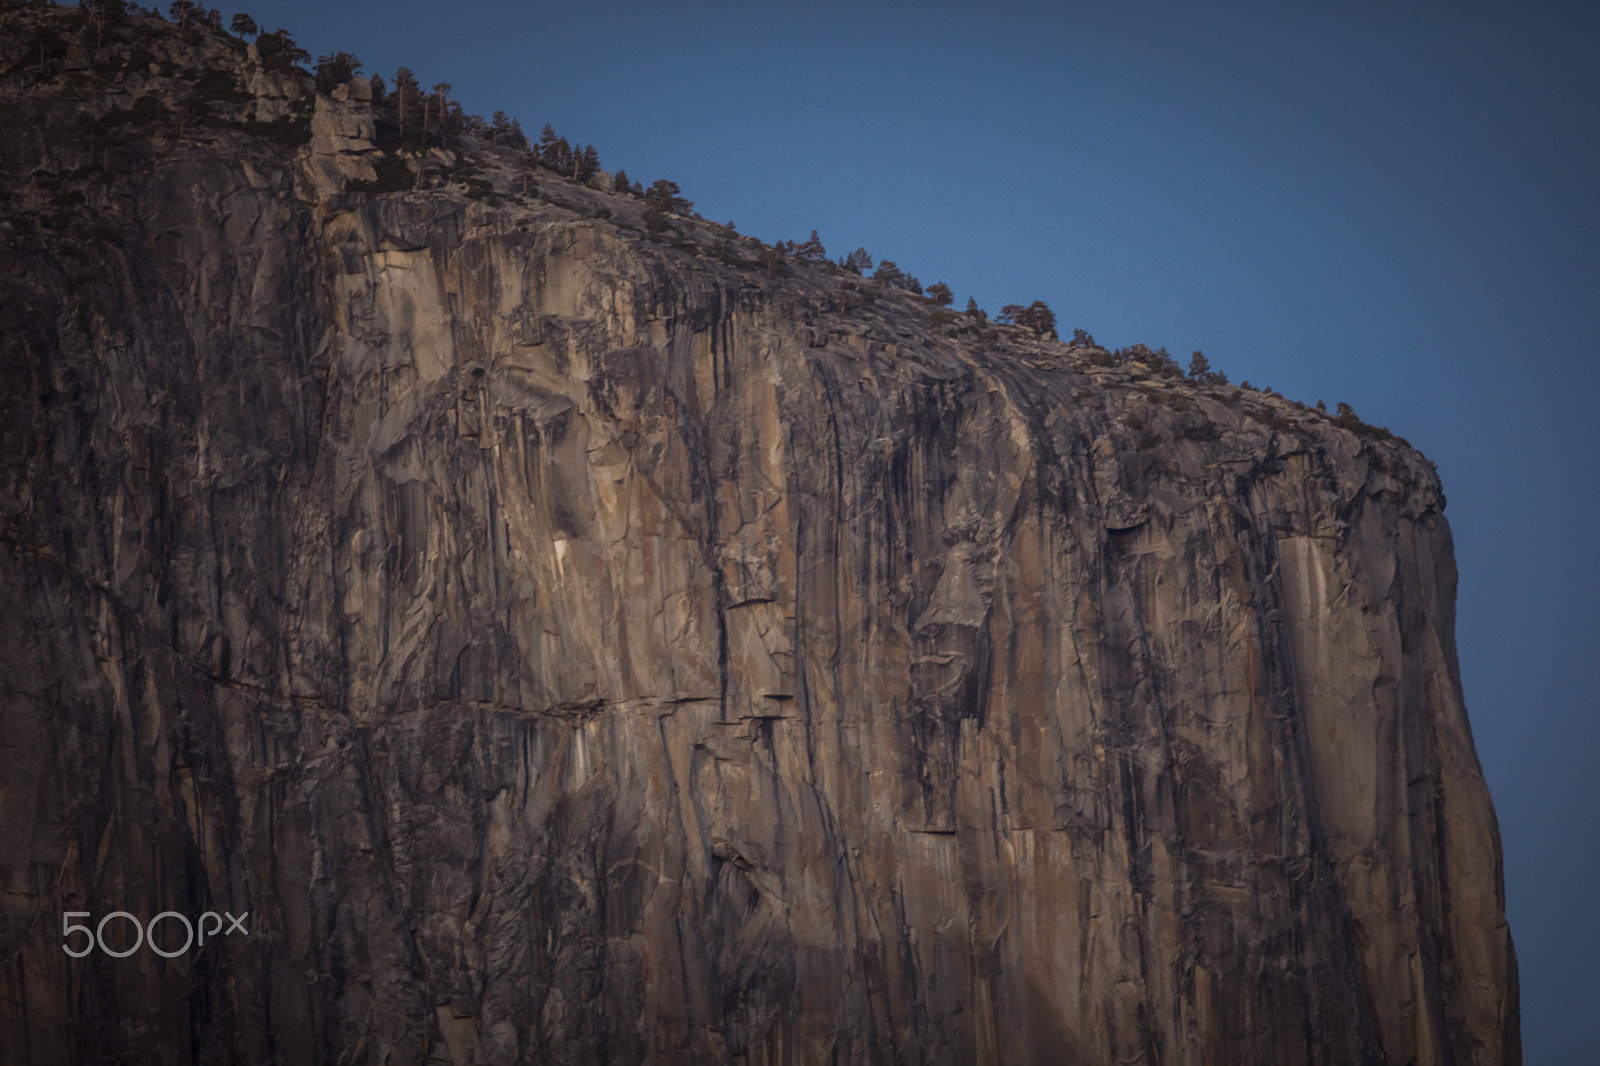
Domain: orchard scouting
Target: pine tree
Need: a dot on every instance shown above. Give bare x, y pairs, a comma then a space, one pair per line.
407, 100
662, 199
279, 51
1038, 317
667, 196
244, 26
811, 250
940, 293
525, 168
499, 128
1200, 370
441, 92
380, 92
546, 148
772, 260
585, 164
888, 273
857, 262
619, 181
336, 69
1160, 360
655, 219
456, 122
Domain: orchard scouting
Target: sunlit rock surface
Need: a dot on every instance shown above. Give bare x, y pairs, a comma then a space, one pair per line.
573, 648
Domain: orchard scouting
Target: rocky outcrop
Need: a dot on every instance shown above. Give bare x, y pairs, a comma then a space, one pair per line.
342, 131
570, 647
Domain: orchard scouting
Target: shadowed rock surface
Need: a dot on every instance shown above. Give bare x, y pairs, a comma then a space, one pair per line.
575, 648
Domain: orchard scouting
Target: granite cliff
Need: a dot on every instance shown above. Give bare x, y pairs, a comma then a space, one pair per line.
574, 647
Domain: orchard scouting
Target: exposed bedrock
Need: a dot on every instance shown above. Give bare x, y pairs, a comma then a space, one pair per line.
571, 650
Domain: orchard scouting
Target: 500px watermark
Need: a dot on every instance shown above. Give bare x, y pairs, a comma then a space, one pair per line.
145, 934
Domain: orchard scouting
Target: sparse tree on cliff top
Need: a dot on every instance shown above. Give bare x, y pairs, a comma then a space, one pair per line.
336, 69
940, 294
585, 164
888, 273
546, 148
407, 100
772, 260
1200, 370
441, 93
507, 131
811, 250
499, 127
619, 181
1159, 360
667, 196
857, 262
244, 25
456, 122
561, 156
279, 51
661, 199
1038, 317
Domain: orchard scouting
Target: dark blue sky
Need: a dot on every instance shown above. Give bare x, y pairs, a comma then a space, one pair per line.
1344, 201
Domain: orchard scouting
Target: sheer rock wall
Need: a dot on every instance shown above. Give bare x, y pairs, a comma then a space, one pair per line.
569, 648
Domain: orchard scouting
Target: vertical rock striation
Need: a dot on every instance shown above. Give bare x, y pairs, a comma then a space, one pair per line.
575, 649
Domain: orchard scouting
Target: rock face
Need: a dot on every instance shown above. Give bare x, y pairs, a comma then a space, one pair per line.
573, 648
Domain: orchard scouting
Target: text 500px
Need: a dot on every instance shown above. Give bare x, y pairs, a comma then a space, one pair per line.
146, 934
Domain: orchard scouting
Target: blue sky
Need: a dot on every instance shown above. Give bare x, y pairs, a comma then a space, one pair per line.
1397, 209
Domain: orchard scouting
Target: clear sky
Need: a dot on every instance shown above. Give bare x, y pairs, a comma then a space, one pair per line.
1341, 200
